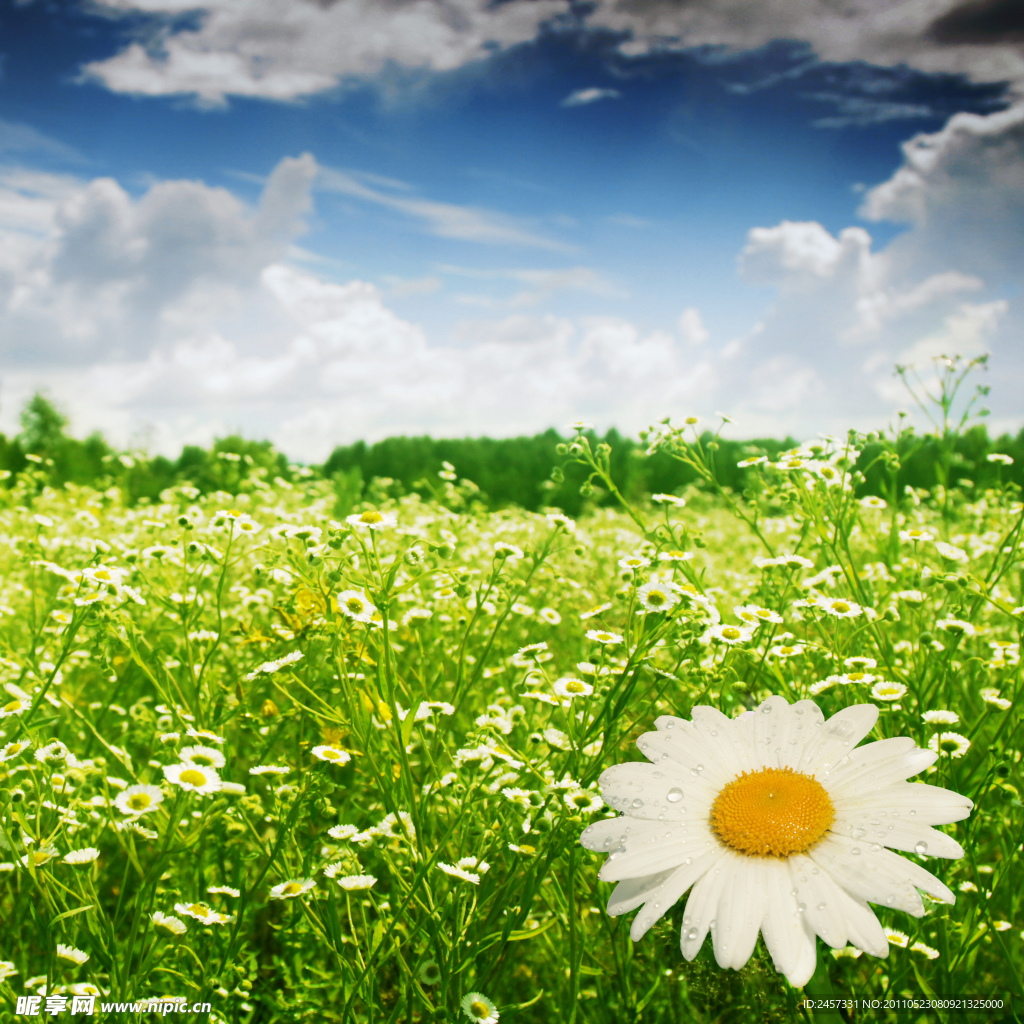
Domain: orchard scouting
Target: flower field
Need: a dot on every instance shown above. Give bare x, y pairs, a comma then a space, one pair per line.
311, 763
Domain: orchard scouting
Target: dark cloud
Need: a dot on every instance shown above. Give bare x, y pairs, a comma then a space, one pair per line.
980, 23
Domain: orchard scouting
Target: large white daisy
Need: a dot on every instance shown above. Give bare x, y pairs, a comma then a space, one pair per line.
779, 825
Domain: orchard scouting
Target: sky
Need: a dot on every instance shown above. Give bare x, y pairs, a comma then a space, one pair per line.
317, 221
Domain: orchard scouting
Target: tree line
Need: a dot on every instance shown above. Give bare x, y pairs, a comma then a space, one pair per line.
528, 471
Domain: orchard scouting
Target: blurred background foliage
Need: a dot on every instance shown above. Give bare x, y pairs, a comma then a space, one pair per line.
525, 471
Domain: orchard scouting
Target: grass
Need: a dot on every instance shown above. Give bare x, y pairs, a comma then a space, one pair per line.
413, 746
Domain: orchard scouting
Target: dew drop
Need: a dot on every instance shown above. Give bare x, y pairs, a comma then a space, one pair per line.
801, 907
821, 906
689, 860
856, 851
691, 935
714, 732
694, 772
913, 814
814, 871
661, 817
876, 848
674, 795
766, 709
890, 900
700, 767
921, 849
637, 803
664, 757
658, 775
670, 724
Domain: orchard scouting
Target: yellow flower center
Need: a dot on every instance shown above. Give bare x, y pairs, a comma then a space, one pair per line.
856, 677
656, 597
479, 1010
574, 686
193, 777
199, 908
731, 633
139, 801
840, 606
203, 759
370, 517
330, 754
774, 812
102, 574
292, 889
14, 705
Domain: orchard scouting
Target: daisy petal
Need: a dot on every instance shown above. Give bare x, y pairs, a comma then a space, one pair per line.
879, 774
663, 897
740, 912
644, 791
838, 736
863, 929
783, 928
667, 846
702, 905
927, 805
630, 893
900, 836
818, 899
686, 745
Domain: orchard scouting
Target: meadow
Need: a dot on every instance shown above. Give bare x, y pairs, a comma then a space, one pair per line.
307, 760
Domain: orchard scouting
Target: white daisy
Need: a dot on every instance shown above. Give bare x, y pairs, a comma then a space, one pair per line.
456, 872
478, 1008
941, 717
202, 912
168, 925
193, 778
292, 888
657, 597
728, 634
332, 754
839, 607
949, 744
568, 687
78, 857
371, 519
207, 757
353, 603
603, 636
71, 954
356, 882
138, 799
780, 826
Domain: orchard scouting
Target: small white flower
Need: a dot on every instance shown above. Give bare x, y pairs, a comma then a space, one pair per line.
888, 691
84, 856
728, 634
657, 597
956, 627
915, 536
193, 778
71, 954
634, 562
371, 519
167, 925
668, 499
354, 883
950, 552
568, 687
202, 912
941, 717
138, 799
354, 604
602, 636
292, 888
332, 754
999, 457
224, 890
479, 1009
949, 744
456, 872
206, 757
839, 607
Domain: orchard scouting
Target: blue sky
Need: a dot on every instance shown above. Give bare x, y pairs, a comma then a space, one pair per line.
322, 221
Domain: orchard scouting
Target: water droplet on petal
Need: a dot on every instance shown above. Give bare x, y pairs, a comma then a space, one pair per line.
637, 803
674, 795
658, 775
801, 907
821, 906
766, 709
921, 849
856, 851
691, 935
890, 900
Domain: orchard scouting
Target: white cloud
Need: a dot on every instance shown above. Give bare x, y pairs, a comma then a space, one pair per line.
541, 284
285, 49
583, 97
88, 269
961, 189
447, 220
692, 328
